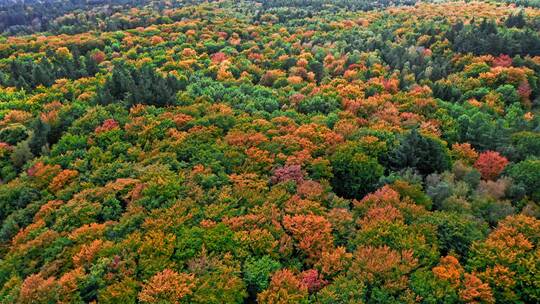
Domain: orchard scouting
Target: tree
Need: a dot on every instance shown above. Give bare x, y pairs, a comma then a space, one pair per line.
516, 20
21, 154
313, 234
499, 259
36, 289
509, 94
317, 68
476, 291
343, 290
257, 272
142, 85
455, 232
38, 138
425, 154
355, 173
319, 104
13, 134
285, 288
527, 174
124, 291
168, 286
288, 173
527, 144
490, 164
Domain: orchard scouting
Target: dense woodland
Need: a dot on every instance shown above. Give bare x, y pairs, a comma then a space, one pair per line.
269, 152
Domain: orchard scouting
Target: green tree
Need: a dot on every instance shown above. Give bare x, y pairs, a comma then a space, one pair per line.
527, 173
508, 93
425, 154
257, 272
355, 173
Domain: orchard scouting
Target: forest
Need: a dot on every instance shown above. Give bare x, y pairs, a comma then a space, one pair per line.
269, 151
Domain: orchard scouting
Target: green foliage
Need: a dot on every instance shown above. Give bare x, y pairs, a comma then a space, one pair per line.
425, 154
455, 232
139, 86
354, 173
319, 104
257, 272
13, 134
286, 151
343, 290
527, 174
527, 143
508, 94
431, 289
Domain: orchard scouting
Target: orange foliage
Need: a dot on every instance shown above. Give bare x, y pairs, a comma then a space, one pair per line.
376, 215
296, 205
284, 288
15, 116
167, 286
156, 40
475, 291
464, 152
309, 189
449, 270
384, 195
36, 289
383, 263
334, 261
88, 252
68, 284
62, 179
510, 240
42, 173
313, 233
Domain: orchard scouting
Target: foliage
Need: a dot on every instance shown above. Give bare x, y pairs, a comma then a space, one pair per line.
354, 173
299, 151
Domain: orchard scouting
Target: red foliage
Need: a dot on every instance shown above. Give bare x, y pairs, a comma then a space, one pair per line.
98, 57
109, 124
4, 146
502, 61
288, 173
312, 280
490, 164
524, 90
219, 57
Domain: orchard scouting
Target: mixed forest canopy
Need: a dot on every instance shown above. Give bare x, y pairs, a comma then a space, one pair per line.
300, 151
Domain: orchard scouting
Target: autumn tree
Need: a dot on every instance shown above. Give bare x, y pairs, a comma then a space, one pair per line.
284, 288
490, 164
168, 286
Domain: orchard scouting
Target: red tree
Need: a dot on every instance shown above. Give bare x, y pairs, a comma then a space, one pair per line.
490, 164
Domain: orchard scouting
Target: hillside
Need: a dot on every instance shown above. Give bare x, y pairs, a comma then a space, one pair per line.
300, 151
